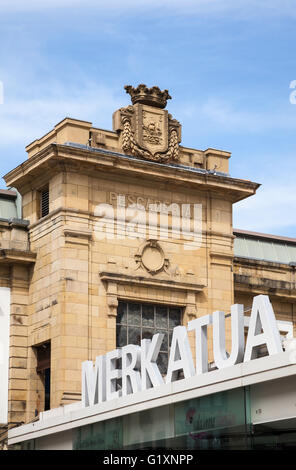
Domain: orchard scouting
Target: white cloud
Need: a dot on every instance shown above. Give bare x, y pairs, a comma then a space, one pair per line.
271, 210
25, 119
231, 119
219, 115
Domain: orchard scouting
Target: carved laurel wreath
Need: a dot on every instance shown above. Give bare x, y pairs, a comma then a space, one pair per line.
129, 145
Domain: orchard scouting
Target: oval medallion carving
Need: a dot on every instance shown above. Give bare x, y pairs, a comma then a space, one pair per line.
151, 257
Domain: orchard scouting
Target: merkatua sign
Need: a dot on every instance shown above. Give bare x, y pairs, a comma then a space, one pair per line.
139, 370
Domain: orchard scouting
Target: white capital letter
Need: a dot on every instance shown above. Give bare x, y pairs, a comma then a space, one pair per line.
180, 355
112, 374
93, 381
221, 357
131, 362
262, 317
151, 376
200, 325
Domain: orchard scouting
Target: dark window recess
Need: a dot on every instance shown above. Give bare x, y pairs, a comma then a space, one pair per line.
43, 357
43, 370
47, 389
139, 321
44, 209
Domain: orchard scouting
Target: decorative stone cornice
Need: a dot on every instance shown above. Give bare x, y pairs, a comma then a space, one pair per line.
112, 280
247, 283
59, 157
74, 233
17, 256
263, 264
150, 282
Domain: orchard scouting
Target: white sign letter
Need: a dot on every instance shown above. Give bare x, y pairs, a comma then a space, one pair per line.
200, 325
151, 376
262, 317
93, 382
131, 362
112, 374
180, 355
221, 357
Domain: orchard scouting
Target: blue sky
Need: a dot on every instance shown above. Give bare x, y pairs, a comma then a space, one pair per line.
227, 64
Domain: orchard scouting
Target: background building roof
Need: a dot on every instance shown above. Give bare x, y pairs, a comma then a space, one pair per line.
264, 247
10, 204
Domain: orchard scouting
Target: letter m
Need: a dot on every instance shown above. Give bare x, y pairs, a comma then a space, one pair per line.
93, 382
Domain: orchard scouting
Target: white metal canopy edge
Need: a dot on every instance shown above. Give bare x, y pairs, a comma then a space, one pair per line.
258, 370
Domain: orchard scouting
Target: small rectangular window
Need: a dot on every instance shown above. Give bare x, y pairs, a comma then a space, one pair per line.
44, 202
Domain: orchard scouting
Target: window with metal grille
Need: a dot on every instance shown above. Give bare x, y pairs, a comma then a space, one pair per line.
44, 202
138, 321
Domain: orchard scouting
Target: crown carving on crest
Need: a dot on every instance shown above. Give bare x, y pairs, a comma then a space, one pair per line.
150, 96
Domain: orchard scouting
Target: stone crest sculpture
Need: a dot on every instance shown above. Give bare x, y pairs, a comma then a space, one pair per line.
147, 130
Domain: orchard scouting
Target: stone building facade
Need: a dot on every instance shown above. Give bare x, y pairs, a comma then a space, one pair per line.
119, 220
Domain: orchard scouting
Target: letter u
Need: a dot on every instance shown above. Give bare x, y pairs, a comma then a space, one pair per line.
221, 357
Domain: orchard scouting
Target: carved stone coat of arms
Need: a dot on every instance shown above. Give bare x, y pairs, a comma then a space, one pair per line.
147, 130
